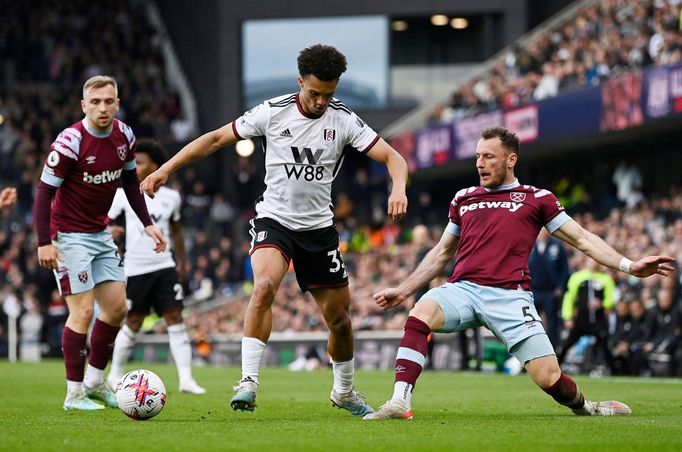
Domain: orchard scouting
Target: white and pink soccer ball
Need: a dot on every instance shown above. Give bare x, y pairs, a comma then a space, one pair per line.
140, 394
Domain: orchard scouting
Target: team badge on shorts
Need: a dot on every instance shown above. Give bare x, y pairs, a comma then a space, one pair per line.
261, 236
122, 150
329, 135
83, 277
517, 196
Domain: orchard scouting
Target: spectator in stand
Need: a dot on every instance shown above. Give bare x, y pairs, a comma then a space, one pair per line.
8, 197
548, 263
661, 341
589, 298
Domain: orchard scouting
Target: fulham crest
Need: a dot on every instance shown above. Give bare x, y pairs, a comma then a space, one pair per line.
329, 135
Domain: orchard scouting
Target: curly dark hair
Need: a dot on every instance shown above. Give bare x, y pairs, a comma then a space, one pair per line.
153, 149
510, 141
324, 62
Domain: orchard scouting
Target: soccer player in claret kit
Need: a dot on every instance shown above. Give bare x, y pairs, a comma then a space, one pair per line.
305, 134
492, 229
153, 281
86, 163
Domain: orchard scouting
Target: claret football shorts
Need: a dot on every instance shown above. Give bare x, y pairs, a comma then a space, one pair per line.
315, 254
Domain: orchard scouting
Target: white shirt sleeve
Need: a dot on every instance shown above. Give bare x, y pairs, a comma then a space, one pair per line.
118, 205
359, 134
254, 122
175, 215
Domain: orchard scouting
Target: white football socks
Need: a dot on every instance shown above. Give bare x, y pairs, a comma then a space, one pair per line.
125, 340
181, 350
93, 376
402, 391
73, 388
343, 376
252, 352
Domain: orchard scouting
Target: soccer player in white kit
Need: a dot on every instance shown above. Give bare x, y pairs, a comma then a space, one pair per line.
305, 134
153, 282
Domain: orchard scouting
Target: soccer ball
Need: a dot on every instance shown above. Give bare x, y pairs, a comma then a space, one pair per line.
141, 394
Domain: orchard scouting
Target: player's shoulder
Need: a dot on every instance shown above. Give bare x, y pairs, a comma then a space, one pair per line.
465, 192
533, 191
170, 194
339, 107
125, 129
281, 101
68, 141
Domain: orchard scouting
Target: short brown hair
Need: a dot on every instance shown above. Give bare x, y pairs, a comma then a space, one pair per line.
509, 139
98, 81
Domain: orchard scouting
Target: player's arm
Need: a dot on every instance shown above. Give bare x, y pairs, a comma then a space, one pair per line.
397, 168
596, 248
139, 206
203, 146
431, 266
179, 248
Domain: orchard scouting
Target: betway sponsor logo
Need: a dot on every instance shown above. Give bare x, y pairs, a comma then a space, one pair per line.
511, 206
103, 177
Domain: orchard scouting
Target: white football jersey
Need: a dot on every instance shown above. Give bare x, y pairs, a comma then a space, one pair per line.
303, 155
140, 256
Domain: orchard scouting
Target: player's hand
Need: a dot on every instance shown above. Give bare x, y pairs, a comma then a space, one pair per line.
151, 184
161, 242
49, 257
397, 206
8, 196
116, 231
653, 265
389, 298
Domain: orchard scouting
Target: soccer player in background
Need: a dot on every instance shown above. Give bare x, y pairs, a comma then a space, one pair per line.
492, 229
305, 134
86, 164
153, 280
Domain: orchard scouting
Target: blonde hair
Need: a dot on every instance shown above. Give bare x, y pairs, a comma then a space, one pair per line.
98, 81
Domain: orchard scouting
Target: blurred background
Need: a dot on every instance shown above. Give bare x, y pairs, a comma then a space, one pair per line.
593, 88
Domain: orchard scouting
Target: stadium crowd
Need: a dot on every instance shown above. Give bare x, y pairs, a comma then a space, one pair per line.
602, 40
38, 92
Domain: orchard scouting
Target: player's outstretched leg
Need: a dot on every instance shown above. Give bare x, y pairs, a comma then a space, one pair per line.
606, 408
408, 366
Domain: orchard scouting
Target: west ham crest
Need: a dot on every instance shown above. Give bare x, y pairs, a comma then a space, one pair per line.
329, 135
83, 277
517, 196
122, 150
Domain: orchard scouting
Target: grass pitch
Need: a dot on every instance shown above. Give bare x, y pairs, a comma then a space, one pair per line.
452, 411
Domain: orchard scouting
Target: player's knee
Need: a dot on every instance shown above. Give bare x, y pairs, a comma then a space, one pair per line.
341, 324
134, 321
173, 316
546, 376
426, 311
82, 316
264, 293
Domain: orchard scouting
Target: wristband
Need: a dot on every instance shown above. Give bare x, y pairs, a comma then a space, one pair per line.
624, 265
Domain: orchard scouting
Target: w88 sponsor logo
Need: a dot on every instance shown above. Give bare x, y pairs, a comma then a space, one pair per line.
300, 170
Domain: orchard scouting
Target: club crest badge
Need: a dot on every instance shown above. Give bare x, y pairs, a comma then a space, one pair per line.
261, 236
122, 150
329, 135
83, 277
517, 196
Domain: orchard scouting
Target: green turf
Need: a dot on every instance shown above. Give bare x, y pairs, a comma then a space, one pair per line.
463, 411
